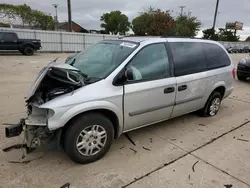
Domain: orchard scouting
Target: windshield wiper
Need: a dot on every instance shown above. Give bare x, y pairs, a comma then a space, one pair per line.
55, 59
73, 62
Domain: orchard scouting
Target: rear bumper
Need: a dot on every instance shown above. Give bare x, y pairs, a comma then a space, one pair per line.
243, 73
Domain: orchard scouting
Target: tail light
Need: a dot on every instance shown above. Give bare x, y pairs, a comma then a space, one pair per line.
234, 73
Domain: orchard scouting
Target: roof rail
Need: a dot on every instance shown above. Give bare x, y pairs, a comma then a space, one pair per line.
174, 37
146, 36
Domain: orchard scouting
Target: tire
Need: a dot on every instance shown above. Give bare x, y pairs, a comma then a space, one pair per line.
28, 50
242, 78
87, 123
207, 111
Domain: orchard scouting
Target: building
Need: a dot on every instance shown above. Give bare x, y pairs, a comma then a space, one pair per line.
75, 27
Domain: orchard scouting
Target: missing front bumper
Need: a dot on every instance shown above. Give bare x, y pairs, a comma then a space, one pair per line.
35, 136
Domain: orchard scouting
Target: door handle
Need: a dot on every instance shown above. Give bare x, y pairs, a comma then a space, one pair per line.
169, 90
182, 87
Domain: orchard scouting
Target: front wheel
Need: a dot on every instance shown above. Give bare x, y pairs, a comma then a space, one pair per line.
88, 138
212, 106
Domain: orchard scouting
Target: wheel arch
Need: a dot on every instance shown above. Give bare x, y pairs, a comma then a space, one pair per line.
112, 116
26, 45
220, 89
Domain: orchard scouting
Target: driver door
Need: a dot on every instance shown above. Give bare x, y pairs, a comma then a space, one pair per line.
149, 97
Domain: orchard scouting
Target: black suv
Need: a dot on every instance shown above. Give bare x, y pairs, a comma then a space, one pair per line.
9, 41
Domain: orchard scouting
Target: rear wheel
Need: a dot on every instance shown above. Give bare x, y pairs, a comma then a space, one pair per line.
88, 138
212, 106
28, 50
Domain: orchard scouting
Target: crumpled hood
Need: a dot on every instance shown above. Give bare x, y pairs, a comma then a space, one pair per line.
42, 74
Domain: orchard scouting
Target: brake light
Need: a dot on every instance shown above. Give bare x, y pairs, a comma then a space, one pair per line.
234, 73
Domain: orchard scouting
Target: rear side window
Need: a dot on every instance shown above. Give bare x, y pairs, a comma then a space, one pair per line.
216, 56
189, 58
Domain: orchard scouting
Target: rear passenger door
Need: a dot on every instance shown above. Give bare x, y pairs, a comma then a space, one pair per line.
190, 68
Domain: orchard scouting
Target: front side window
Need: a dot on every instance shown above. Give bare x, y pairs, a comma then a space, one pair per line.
150, 63
189, 58
216, 56
99, 60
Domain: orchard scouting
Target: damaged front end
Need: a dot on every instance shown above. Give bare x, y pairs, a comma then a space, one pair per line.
54, 80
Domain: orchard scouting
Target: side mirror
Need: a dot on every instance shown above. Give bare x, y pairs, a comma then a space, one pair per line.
120, 79
123, 76
129, 74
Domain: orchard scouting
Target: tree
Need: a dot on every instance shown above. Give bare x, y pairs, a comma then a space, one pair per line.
154, 22
186, 25
248, 38
228, 35
210, 34
12, 14
140, 24
221, 35
45, 22
157, 22
115, 23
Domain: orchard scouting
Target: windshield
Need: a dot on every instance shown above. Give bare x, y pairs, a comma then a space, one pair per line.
101, 59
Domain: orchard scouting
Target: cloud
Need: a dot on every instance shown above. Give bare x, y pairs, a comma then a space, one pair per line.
87, 13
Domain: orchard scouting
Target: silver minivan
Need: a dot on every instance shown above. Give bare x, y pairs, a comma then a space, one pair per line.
116, 86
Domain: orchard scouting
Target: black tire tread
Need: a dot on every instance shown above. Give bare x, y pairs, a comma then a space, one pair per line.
25, 50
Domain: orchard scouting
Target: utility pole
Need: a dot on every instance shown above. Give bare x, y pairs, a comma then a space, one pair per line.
56, 18
182, 7
69, 16
215, 13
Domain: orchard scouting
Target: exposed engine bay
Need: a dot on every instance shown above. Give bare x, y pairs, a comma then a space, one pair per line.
55, 80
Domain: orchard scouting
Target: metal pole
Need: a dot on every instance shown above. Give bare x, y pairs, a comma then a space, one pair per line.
69, 16
215, 13
182, 7
56, 5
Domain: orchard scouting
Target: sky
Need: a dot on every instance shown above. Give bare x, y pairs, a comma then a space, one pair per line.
87, 13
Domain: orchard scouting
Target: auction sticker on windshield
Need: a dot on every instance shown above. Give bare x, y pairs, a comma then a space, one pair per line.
127, 44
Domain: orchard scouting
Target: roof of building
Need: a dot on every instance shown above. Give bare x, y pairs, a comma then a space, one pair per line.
64, 23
